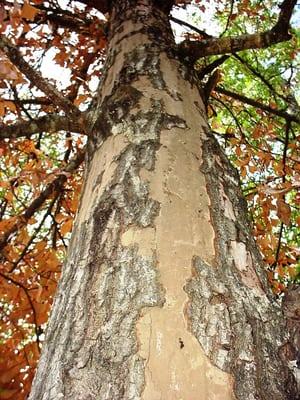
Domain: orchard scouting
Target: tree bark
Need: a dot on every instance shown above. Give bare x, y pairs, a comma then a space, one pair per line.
163, 295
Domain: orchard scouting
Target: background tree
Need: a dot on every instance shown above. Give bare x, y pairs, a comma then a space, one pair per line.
251, 102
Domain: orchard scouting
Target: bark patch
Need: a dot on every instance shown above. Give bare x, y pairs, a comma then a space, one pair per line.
231, 310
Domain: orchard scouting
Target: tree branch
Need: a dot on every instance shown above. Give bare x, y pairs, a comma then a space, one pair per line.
228, 18
47, 123
260, 76
71, 22
100, 5
193, 28
210, 86
37, 101
254, 103
15, 56
193, 50
210, 67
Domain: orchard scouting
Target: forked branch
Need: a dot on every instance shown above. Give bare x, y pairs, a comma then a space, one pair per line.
15, 56
193, 50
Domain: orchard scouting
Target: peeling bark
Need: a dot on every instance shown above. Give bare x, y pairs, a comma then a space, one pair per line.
231, 309
163, 295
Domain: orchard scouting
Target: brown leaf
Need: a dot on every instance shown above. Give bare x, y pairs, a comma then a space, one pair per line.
66, 227
9, 374
6, 394
283, 211
41, 310
29, 12
7, 70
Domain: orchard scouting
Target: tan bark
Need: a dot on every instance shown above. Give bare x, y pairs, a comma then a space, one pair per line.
163, 296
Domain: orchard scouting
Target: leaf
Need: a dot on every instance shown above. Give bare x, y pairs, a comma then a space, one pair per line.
10, 105
59, 218
40, 246
5, 104
41, 310
29, 12
238, 151
8, 71
80, 99
66, 227
252, 168
61, 58
39, 294
28, 147
52, 262
7, 223
9, 374
74, 203
283, 211
9, 197
7, 394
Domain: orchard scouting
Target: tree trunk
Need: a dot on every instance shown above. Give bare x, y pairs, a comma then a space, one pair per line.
163, 296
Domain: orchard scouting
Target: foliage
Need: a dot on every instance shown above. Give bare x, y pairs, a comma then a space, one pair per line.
253, 112
262, 145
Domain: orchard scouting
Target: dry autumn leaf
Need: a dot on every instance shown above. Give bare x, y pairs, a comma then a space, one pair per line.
7, 394
29, 12
7, 71
283, 211
66, 227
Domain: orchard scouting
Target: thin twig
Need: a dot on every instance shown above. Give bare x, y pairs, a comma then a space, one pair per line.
52, 188
193, 28
257, 104
284, 158
24, 252
228, 18
15, 56
260, 76
20, 285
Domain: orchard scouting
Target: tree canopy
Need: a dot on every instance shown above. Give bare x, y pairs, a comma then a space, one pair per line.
248, 71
